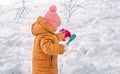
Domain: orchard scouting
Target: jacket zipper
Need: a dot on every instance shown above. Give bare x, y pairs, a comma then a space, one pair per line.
51, 57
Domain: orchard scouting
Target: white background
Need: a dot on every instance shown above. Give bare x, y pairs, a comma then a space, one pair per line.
96, 50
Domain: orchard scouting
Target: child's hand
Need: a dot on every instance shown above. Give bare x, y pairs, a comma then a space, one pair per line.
64, 43
66, 34
65, 49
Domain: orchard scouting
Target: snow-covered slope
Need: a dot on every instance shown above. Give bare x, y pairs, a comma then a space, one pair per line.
96, 50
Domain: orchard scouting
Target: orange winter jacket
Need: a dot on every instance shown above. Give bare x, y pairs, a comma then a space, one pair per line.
46, 48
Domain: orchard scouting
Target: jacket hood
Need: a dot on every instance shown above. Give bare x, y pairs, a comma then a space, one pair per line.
41, 26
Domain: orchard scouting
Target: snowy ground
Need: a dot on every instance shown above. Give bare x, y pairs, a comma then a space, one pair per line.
96, 50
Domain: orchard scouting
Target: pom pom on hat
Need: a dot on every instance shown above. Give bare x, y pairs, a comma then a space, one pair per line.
53, 8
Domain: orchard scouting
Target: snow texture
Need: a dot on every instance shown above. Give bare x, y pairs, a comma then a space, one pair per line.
96, 50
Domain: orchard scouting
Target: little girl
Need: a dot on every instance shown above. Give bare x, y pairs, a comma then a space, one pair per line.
46, 43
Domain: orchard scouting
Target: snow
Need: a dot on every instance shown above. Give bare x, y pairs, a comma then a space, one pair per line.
96, 50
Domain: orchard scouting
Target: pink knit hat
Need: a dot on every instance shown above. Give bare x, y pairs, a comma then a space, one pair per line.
52, 17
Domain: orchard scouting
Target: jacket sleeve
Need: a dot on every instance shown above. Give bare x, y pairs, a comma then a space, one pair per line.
59, 36
49, 48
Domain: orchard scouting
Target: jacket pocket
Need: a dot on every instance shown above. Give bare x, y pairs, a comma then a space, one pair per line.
51, 58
